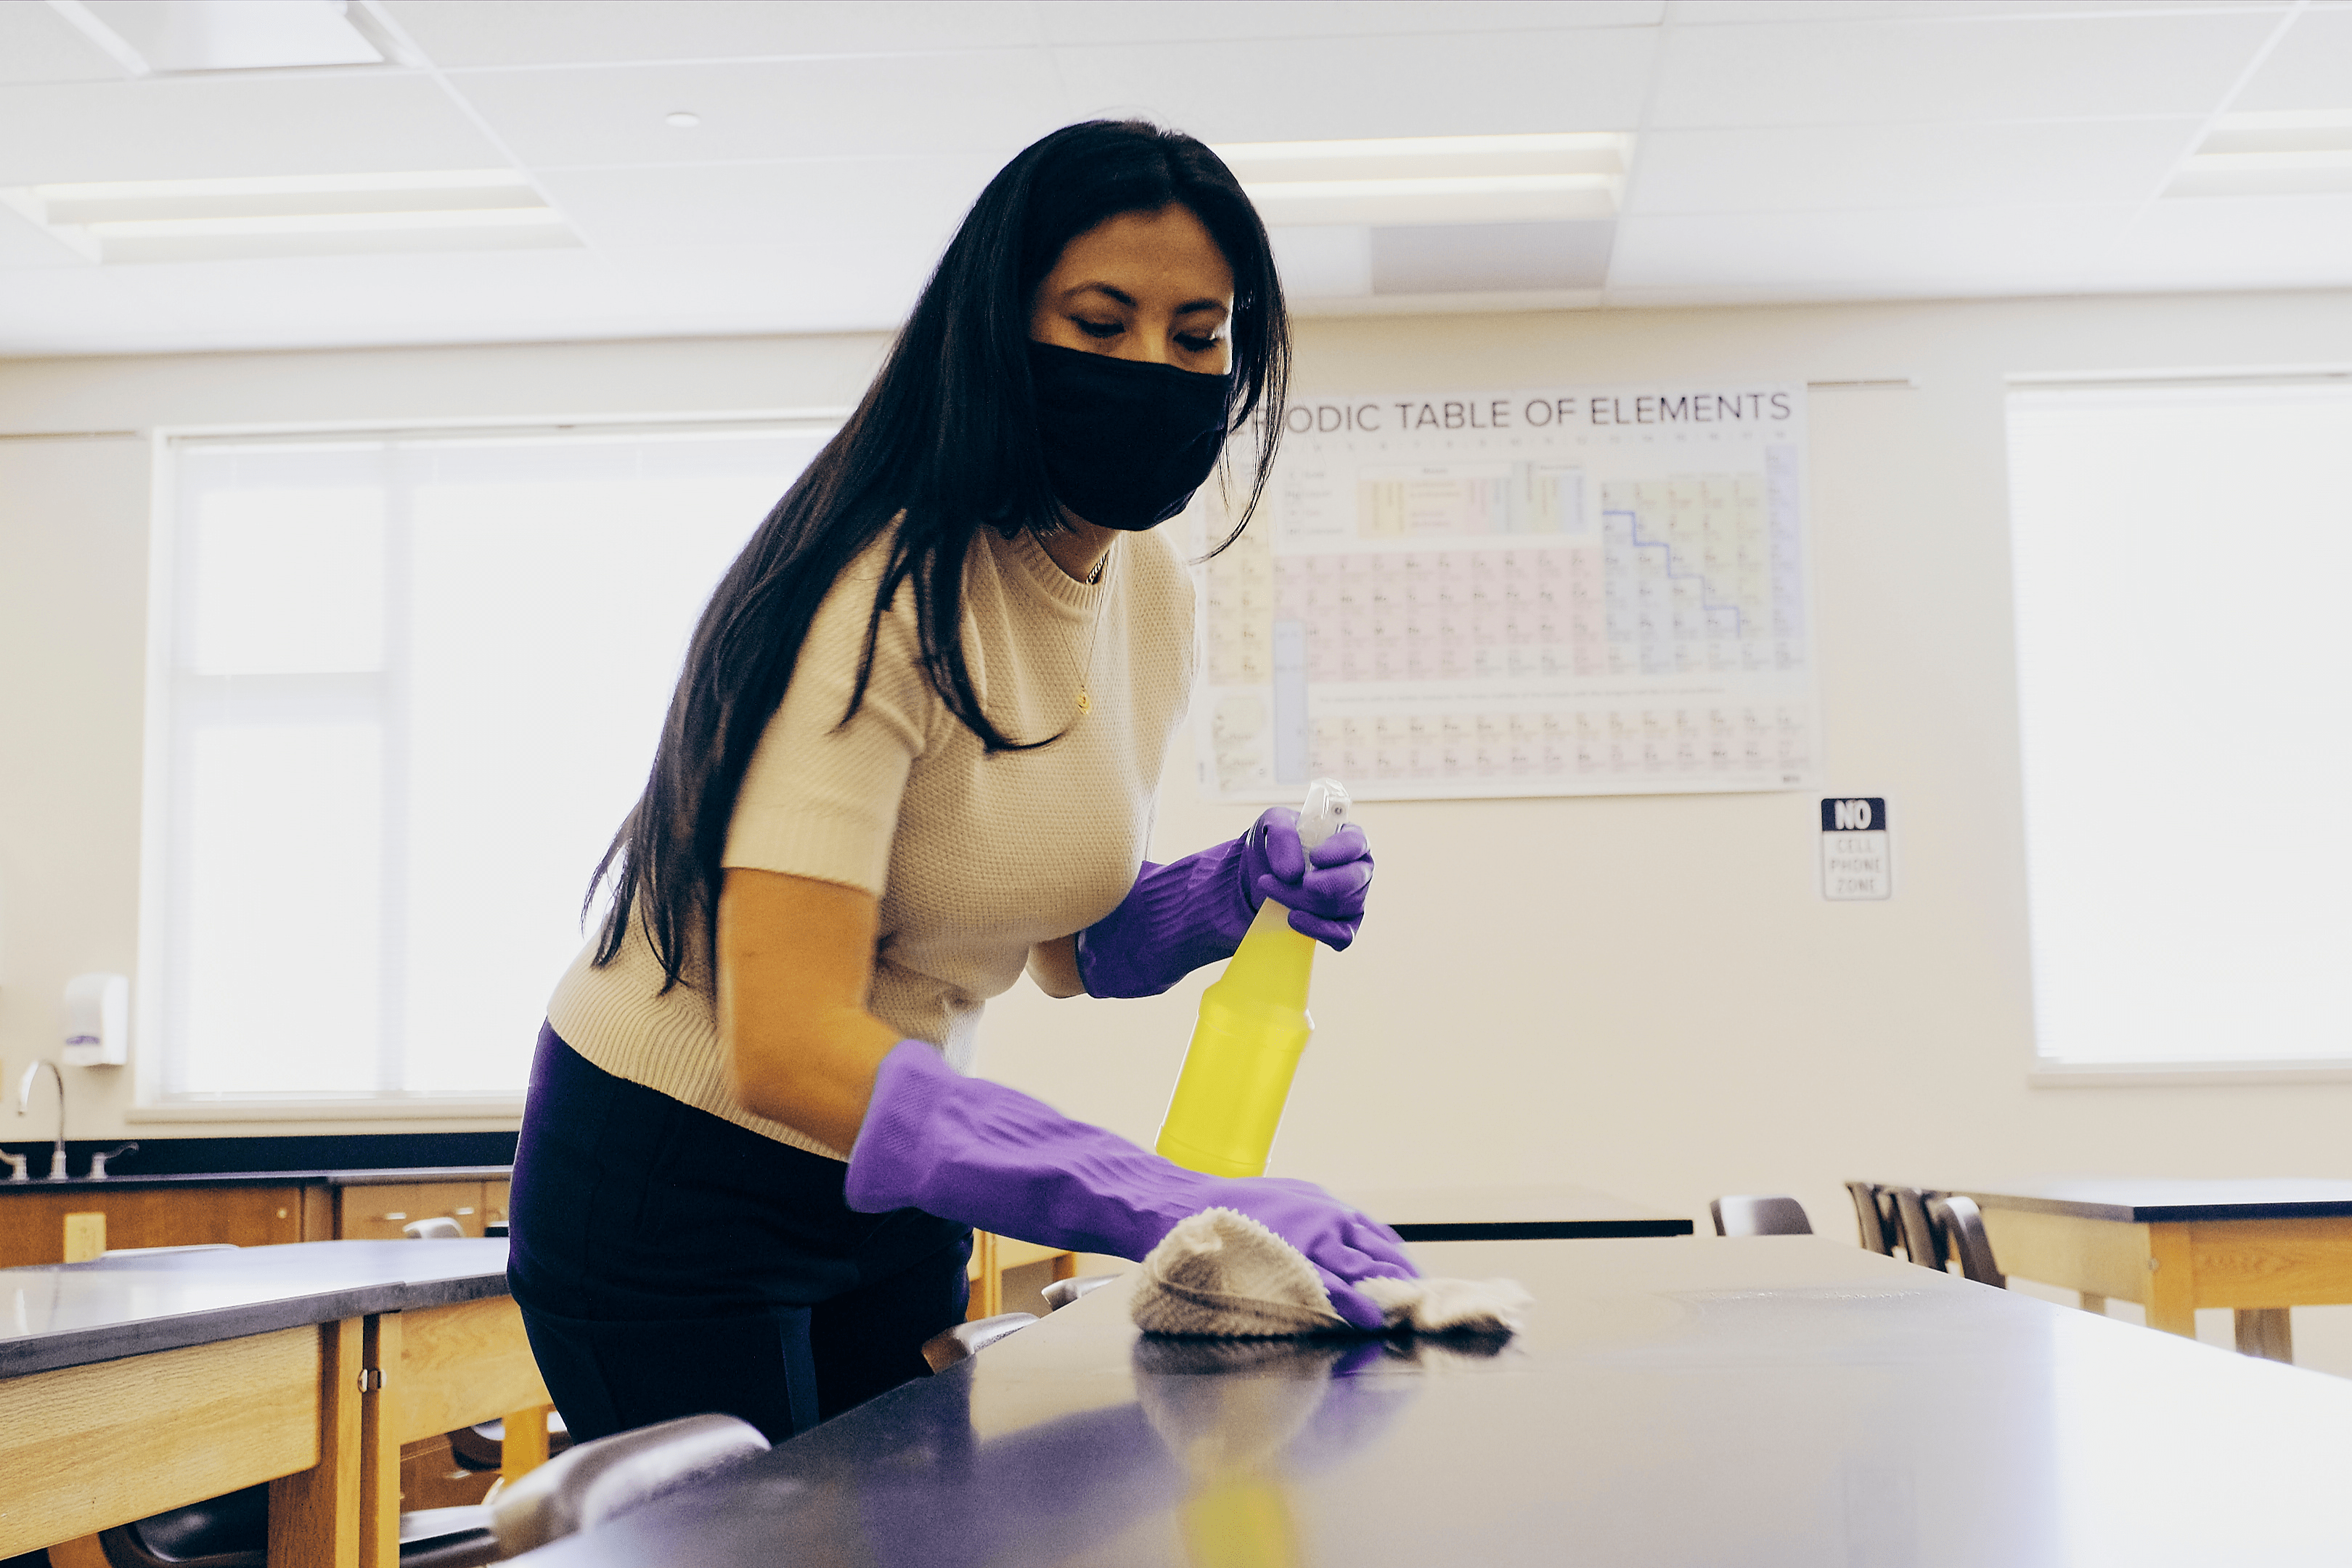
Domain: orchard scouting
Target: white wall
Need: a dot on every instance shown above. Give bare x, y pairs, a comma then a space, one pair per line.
1644, 995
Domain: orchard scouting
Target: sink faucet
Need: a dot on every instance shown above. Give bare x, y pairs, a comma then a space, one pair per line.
25, 1099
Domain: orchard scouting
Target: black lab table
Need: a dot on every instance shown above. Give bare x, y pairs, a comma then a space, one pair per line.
1533, 1212
1763, 1401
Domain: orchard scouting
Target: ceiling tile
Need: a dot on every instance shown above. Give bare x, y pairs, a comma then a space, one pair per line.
1890, 72
39, 44
1476, 84
1796, 168
2249, 242
24, 243
809, 288
247, 125
867, 205
1949, 248
1750, 13
484, 297
770, 109
1323, 261
1491, 257
1181, 21
2311, 67
459, 33
74, 310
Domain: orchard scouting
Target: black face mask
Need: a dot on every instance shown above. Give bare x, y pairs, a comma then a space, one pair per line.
1125, 443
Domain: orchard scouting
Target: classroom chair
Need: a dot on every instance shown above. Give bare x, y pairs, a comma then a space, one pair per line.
1873, 1217
965, 1340
1960, 1230
482, 1447
1062, 1292
1758, 1215
1914, 1230
605, 1478
440, 1229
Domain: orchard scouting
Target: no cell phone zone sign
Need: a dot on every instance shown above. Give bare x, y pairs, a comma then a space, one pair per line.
1857, 848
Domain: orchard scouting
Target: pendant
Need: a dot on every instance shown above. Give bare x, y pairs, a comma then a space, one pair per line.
1085, 703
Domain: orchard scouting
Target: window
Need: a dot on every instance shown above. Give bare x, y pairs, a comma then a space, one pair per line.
2184, 652
406, 689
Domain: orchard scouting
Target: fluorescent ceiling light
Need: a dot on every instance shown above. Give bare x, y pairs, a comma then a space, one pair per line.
2280, 153
172, 35
323, 222
1434, 179
302, 214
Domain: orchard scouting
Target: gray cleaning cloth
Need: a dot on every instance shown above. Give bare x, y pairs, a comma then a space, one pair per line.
1223, 1275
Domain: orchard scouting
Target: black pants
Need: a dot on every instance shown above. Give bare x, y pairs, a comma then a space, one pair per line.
668, 1262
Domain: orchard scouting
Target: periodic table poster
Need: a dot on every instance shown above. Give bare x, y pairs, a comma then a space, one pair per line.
1532, 592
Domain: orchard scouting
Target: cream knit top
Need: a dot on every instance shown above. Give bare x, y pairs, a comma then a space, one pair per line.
972, 858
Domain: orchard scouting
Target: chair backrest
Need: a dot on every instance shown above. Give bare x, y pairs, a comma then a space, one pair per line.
596, 1481
1872, 1218
1959, 1227
1758, 1215
1915, 1230
1062, 1292
965, 1340
440, 1229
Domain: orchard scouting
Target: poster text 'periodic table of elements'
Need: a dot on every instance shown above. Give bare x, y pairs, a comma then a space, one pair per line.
1453, 596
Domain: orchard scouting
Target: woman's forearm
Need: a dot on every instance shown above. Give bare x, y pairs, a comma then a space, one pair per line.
795, 964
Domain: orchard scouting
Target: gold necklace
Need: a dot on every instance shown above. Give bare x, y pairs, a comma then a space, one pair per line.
1102, 572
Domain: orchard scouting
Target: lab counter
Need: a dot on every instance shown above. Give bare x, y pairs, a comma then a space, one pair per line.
72, 1314
126, 1181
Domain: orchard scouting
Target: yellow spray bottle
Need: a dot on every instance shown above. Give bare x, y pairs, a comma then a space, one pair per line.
1253, 1024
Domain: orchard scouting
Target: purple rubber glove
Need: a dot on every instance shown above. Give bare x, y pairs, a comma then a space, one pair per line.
1196, 910
968, 1149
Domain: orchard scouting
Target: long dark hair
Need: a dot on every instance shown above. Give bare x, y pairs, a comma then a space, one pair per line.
947, 435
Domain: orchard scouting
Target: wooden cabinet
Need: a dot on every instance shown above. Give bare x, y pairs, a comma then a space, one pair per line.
314, 1207
381, 1211
32, 1222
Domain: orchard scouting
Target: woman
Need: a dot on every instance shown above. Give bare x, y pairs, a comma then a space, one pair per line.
912, 750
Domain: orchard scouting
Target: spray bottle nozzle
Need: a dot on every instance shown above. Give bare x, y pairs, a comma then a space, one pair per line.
1324, 812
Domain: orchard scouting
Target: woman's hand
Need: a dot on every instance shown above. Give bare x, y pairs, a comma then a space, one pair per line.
1323, 887
795, 964
1345, 1245
1196, 910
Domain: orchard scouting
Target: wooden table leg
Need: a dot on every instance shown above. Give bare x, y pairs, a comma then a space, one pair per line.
2095, 1303
987, 1279
524, 1447
2265, 1332
378, 1519
1065, 1267
2171, 1298
447, 1367
314, 1514
85, 1553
